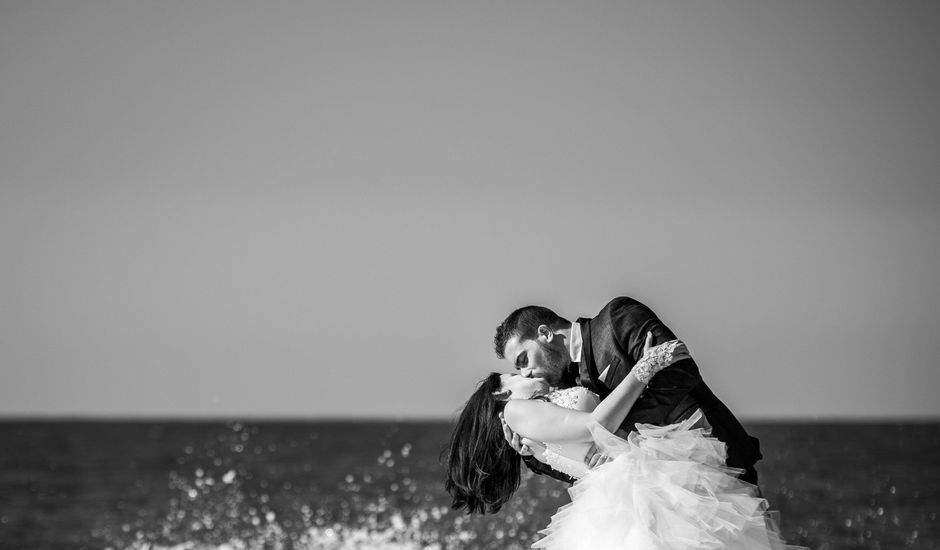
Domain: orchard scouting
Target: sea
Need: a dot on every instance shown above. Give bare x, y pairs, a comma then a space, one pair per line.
237, 485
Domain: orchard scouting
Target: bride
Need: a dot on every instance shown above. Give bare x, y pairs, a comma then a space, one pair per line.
660, 488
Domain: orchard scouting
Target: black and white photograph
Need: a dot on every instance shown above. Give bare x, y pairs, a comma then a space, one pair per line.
452, 275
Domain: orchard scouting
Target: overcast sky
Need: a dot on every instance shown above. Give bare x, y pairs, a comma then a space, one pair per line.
316, 208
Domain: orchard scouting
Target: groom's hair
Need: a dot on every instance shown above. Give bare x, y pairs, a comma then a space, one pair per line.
524, 323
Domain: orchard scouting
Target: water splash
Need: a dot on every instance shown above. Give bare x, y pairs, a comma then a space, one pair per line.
222, 499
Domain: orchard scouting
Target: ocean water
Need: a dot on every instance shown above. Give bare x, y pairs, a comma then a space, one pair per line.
343, 485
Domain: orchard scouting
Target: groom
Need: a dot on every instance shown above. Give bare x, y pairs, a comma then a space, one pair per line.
598, 354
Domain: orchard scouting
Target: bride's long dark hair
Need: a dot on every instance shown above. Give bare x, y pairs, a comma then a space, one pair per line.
483, 471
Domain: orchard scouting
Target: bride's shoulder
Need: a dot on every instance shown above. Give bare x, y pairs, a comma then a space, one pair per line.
518, 411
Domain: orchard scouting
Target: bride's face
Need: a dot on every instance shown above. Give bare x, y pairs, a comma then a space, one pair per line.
522, 387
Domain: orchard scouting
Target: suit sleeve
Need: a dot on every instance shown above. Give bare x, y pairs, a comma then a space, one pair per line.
545, 469
676, 390
630, 320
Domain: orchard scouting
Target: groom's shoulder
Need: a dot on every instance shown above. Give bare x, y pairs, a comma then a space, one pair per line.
624, 310
621, 303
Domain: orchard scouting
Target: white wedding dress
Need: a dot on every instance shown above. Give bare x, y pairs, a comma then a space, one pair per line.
667, 488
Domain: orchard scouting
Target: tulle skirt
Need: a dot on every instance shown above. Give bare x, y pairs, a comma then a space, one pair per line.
667, 488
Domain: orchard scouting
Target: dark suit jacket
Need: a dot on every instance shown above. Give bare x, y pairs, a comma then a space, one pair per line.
615, 338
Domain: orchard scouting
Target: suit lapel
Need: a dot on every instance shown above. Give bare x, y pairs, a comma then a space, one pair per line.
588, 368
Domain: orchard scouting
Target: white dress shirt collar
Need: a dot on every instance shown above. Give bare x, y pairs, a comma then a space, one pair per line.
574, 345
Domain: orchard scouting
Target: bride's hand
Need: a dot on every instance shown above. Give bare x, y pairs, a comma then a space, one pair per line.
656, 358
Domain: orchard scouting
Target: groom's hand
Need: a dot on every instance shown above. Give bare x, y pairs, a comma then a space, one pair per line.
595, 457
521, 445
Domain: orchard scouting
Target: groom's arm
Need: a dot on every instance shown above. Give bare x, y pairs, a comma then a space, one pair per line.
530, 452
544, 469
629, 322
677, 391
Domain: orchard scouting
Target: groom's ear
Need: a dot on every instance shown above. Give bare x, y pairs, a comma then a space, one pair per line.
546, 333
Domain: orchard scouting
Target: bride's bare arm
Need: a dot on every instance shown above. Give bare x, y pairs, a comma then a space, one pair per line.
549, 423
546, 422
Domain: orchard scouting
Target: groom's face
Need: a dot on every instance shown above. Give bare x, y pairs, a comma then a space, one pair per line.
537, 358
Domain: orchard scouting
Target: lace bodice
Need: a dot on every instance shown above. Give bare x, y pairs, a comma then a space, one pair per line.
568, 458
569, 397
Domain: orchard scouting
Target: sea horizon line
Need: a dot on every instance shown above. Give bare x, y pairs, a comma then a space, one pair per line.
142, 418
